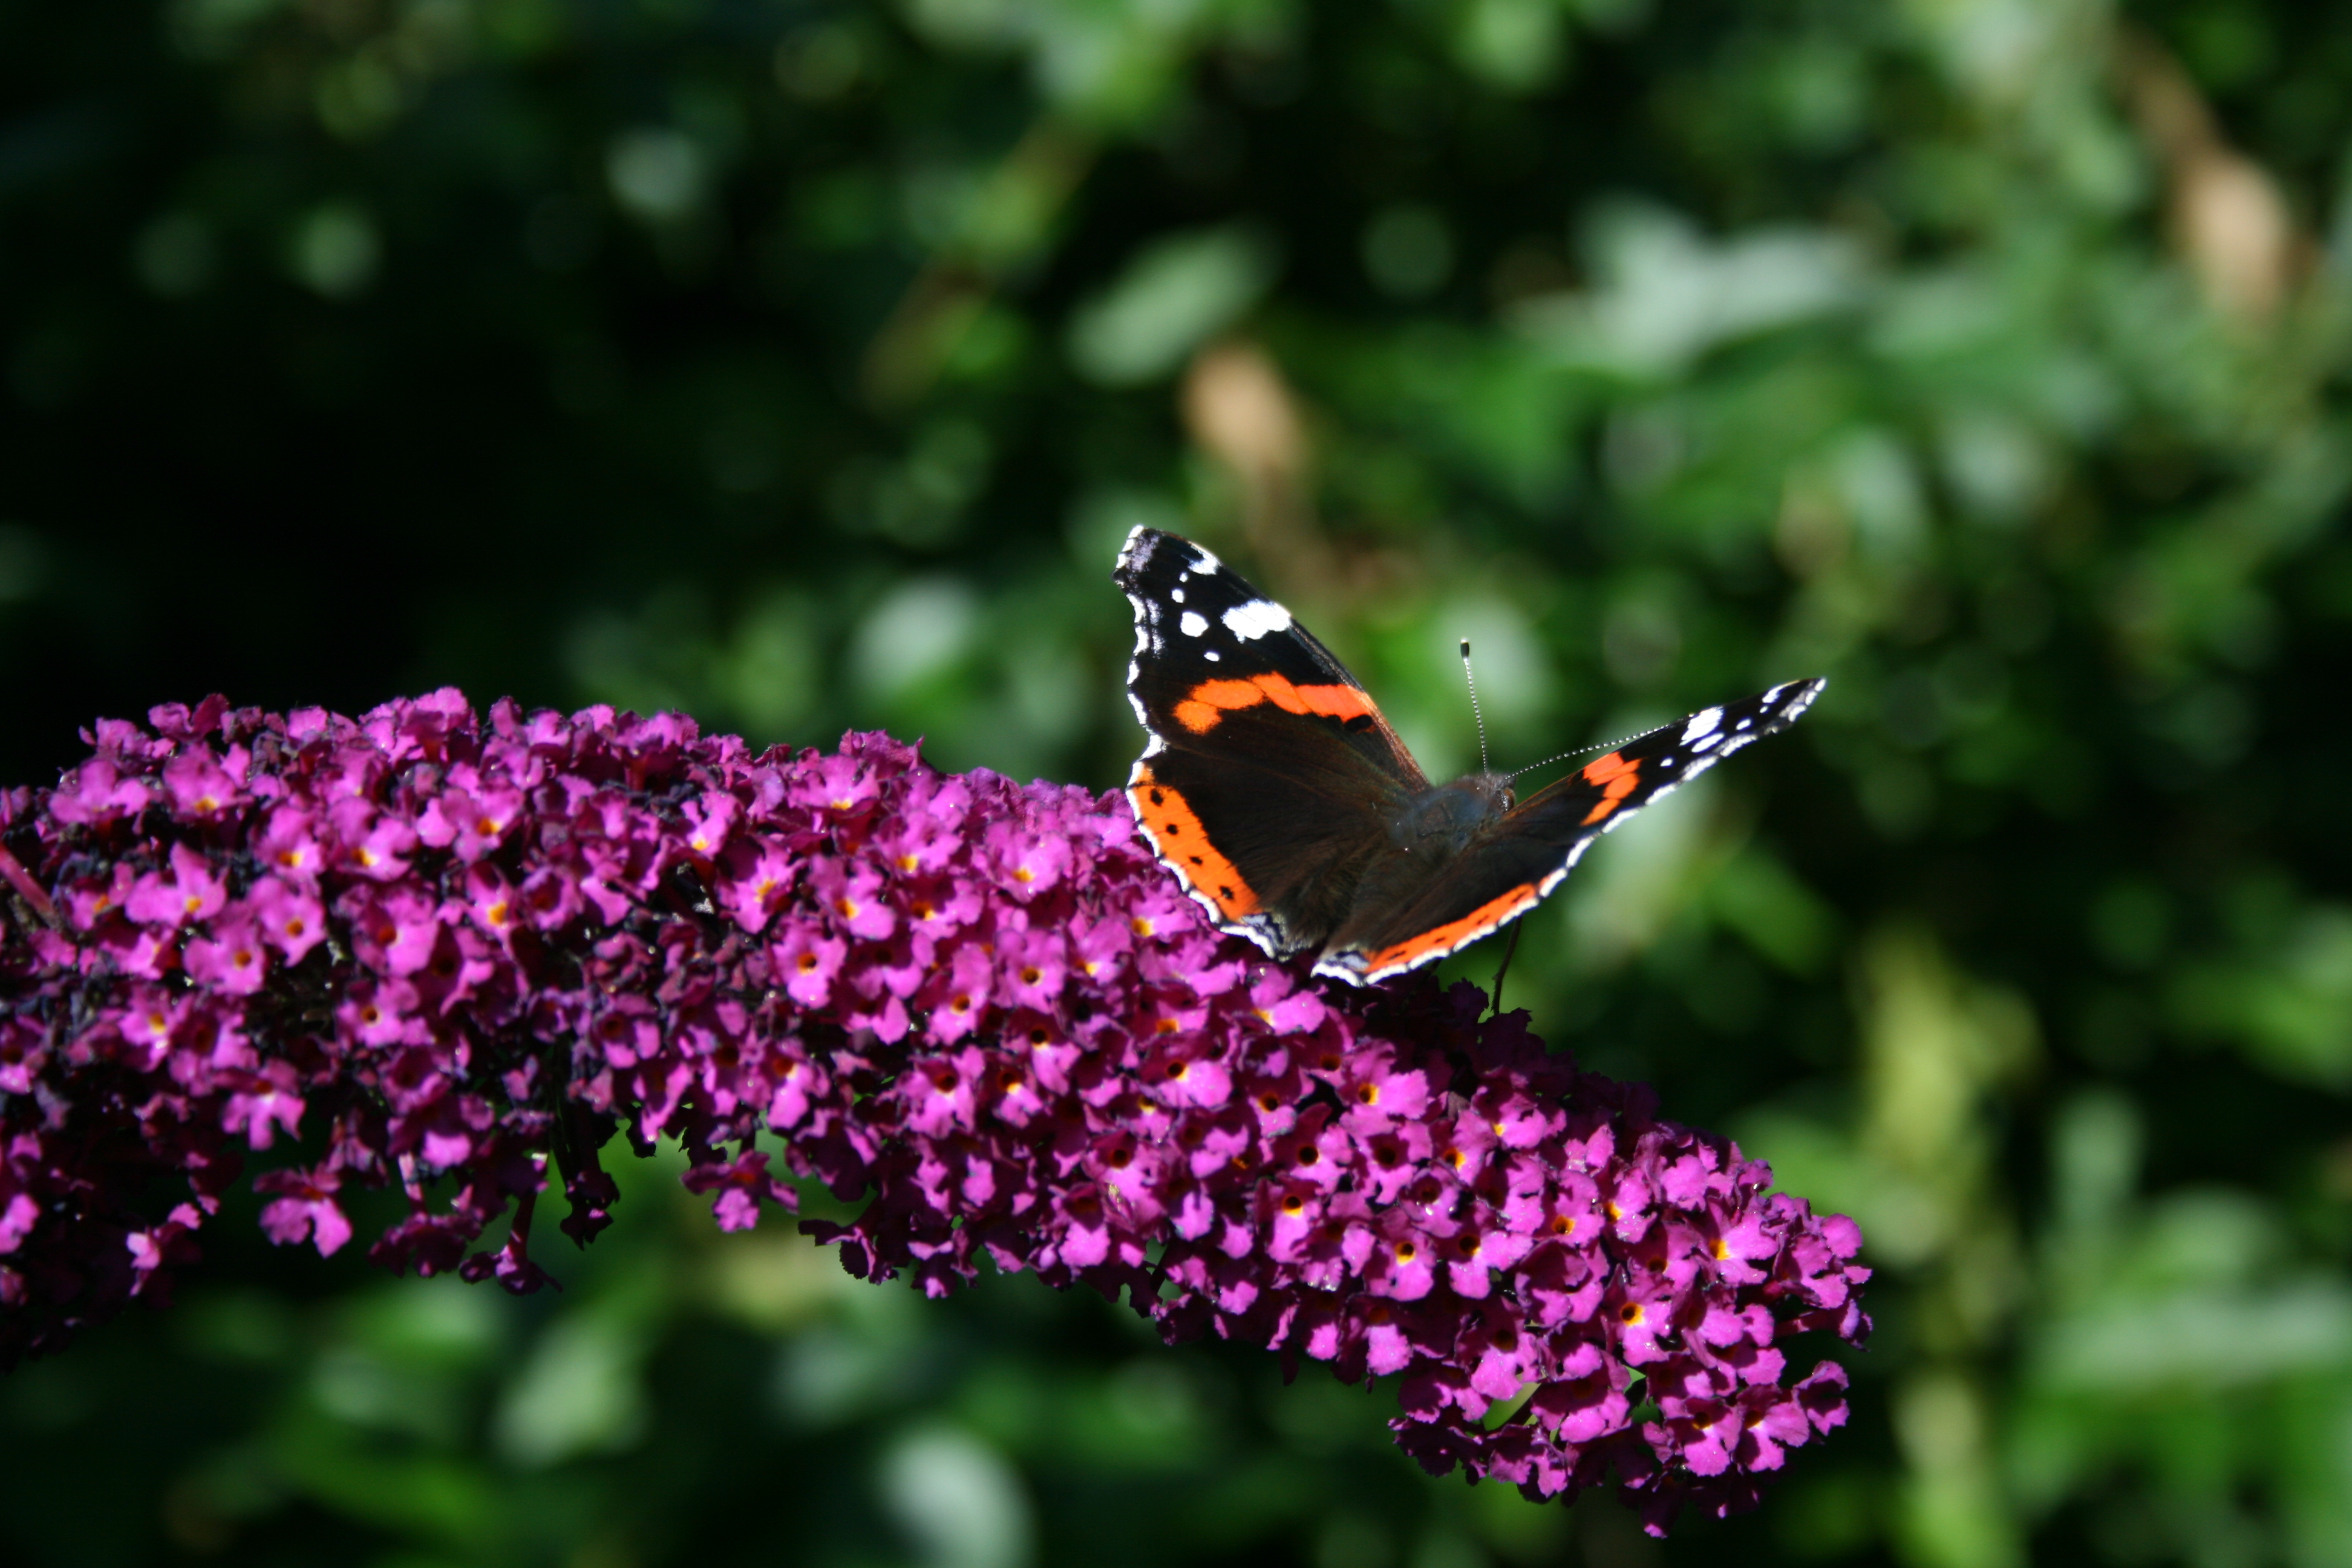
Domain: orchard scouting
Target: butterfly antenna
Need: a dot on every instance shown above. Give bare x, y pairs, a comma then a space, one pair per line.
1581, 751
1564, 756
1475, 713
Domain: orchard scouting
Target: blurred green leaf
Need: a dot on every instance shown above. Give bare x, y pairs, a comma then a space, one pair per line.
1174, 294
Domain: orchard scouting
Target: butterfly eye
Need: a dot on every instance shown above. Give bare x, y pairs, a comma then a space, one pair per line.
1510, 799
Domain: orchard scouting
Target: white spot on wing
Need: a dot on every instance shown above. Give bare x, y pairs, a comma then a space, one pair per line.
1254, 620
1193, 624
1210, 654
1702, 723
1177, 594
1202, 560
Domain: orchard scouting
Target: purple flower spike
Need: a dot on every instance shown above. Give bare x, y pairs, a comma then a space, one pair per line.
455, 954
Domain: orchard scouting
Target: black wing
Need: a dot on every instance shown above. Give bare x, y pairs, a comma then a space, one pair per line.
1270, 776
1527, 851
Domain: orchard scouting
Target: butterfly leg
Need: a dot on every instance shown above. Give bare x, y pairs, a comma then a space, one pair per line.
1510, 946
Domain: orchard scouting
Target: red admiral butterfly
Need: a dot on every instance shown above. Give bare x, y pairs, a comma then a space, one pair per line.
1279, 795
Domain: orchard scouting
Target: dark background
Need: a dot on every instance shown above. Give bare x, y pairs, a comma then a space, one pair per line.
801, 366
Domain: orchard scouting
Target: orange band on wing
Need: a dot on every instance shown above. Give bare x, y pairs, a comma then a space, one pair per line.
1600, 770
1454, 933
1617, 776
1210, 700
1176, 832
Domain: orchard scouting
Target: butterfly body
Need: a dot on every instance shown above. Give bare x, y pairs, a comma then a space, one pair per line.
1444, 821
1290, 810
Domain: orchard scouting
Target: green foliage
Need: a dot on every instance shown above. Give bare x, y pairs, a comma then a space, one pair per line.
801, 365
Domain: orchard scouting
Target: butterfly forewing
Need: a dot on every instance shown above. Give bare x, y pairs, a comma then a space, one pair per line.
1209, 648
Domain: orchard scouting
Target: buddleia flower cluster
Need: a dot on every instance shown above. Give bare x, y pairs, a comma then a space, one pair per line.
454, 954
